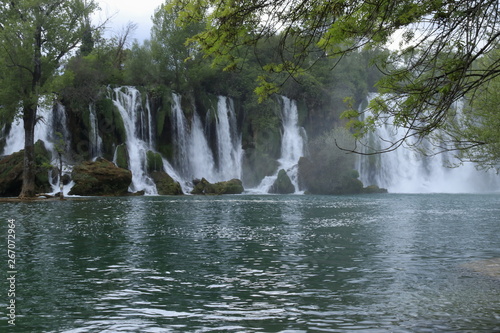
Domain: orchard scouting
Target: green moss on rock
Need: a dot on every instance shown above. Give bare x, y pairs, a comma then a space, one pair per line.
165, 184
154, 162
100, 178
372, 189
282, 184
122, 156
203, 186
11, 171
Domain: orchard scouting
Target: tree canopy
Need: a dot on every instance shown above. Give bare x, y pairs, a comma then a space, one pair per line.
434, 67
35, 37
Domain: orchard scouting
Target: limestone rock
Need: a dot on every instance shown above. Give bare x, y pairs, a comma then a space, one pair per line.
100, 178
11, 172
373, 189
282, 184
154, 162
203, 186
165, 184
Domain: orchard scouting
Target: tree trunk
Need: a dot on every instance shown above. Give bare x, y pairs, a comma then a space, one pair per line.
29, 117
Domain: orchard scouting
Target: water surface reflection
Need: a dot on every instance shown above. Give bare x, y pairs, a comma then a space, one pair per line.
258, 264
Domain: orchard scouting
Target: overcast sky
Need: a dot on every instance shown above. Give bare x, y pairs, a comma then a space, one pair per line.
123, 11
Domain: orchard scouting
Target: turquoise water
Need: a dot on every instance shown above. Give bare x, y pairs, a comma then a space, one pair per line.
373, 263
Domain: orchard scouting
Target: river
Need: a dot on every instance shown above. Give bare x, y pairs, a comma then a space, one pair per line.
255, 263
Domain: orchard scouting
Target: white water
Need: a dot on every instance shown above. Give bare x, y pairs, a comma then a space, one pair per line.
169, 169
230, 151
406, 171
180, 132
15, 139
292, 147
129, 104
201, 158
44, 130
52, 121
194, 156
95, 138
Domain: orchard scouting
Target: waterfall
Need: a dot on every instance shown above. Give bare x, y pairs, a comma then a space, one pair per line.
151, 132
60, 126
201, 158
404, 170
230, 151
180, 137
194, 156
14, 141
95, 138
129, 104
292, 147
52, 129
44, 130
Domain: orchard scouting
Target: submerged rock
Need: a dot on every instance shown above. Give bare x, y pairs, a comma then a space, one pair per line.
100, 178
489, 267
282, 184
203, 186
165, 184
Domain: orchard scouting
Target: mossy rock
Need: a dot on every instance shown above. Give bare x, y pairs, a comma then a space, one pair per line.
282, 184
154, 162
165, 184
233, 186
372, 189
111, 126
42, 155
122, 156
11, 172
256, 166
203, 186
100, 178
43, 158
349, 185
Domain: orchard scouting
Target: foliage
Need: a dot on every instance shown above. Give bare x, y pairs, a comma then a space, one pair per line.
434, 67
140, 69
176, 62
35, 38
474, 130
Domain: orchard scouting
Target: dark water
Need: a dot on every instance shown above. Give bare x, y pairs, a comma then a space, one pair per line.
382, 263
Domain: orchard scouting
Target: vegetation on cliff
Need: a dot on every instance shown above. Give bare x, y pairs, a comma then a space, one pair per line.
315, 58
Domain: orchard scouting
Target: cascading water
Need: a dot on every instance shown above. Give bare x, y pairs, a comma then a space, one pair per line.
44, 130
180, 133
406, 171
52, 129
14, 141
194, 157
95, 138
129, 104
292, 147
201, 158
230, 151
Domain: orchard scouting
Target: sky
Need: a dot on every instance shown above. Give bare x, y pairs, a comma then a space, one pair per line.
123, 11
140, 12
